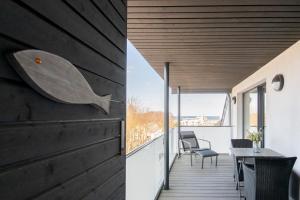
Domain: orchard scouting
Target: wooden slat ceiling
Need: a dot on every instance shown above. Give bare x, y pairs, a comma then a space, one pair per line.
212, 44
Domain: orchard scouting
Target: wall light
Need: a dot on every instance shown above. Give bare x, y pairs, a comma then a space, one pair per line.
234, 100
278, 82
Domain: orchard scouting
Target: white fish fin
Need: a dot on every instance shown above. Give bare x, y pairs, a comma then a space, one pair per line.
103, 102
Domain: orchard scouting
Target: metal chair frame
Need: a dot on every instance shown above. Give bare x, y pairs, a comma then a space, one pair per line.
197, 150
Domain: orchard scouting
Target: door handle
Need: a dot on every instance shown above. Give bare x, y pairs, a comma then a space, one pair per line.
123, 131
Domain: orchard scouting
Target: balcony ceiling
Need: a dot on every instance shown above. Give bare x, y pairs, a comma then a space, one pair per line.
212, 44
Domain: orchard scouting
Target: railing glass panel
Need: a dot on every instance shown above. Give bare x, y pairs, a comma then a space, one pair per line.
219, 136
145, 168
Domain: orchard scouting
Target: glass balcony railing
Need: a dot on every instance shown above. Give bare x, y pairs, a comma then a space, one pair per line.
145, 165
219, 136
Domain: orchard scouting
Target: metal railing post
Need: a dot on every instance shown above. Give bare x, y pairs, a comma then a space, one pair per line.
166, 126
179, 118
230, 114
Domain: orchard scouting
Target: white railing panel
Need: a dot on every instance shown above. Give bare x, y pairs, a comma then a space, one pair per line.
144, 171
173, 145
145, 168
219, 136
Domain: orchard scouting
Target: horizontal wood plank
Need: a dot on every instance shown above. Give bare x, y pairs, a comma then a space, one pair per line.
120, 8
223, 33
107, 8
213, 15
16, 141
168, 3
25, 182
83, 184
213, 25
212, 20
212, 9
117, 195
90, 13
112, 184
212, 29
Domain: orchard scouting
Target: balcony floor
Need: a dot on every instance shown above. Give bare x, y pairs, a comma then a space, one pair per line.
191, 183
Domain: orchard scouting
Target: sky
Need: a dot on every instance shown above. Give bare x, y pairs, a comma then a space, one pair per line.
147, 87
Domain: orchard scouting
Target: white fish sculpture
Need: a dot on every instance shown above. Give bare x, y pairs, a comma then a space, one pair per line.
56, 78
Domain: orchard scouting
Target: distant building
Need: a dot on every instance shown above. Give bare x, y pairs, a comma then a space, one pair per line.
200, 120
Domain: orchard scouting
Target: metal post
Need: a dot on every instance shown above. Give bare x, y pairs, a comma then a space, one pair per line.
166, 126
178, 119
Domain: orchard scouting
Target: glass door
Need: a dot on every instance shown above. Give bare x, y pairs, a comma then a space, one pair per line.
250, 112
254, 102
261, 110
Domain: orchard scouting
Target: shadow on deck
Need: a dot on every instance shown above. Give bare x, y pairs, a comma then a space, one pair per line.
191, 183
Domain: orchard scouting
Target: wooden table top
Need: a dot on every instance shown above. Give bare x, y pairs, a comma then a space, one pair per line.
249, 153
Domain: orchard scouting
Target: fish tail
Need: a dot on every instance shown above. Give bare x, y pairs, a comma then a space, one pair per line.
103, 102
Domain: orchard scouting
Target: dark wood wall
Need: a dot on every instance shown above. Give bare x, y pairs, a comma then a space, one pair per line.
51, 150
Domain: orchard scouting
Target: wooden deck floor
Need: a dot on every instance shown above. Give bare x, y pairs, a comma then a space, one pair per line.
194, 183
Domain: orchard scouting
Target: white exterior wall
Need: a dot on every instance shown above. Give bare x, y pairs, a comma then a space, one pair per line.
282, 108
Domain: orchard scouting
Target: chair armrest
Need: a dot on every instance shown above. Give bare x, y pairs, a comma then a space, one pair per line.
206, 141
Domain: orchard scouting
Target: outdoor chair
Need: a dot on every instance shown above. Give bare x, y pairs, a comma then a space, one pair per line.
190, 144
241, 143
238, 170
268, 179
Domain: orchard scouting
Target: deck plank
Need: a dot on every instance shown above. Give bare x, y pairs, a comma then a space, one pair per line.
210, 183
